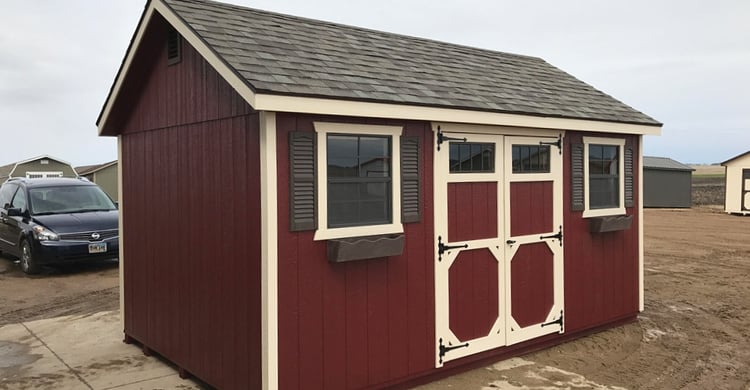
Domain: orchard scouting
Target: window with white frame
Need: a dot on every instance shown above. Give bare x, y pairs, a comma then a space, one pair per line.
358, 180
604, 176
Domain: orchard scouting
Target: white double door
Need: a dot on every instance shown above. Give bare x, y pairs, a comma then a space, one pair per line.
498, 242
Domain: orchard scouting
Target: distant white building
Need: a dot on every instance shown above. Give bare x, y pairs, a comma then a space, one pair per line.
737, 193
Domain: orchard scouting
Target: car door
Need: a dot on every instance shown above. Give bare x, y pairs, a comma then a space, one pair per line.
6, 196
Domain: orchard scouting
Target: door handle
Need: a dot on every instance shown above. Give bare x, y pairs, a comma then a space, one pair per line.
510, 242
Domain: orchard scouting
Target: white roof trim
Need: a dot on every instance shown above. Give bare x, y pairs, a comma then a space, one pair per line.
308, 105
280, 103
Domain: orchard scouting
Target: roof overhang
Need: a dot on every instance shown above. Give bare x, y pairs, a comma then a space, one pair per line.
735, 158
324, 106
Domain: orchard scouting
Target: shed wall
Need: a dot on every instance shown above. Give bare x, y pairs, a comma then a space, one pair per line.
354, 324
734, 184
107, 179
369, 324
191, 217
667, 188
601, 269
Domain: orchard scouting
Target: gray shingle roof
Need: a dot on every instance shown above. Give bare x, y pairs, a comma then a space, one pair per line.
664, 163
288, 55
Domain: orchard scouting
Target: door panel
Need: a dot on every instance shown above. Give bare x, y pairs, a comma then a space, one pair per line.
473, 302
472, 211
533, 247
531, 207
746, 189
469, 299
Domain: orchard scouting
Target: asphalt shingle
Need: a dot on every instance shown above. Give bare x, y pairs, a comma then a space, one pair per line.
282, 54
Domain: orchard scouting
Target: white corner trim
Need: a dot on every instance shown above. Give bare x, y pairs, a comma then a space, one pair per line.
189, 36
269, 252
323, 129
121, 256
641, 234
619, 142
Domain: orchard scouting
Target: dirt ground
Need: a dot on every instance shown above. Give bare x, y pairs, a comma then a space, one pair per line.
693, 334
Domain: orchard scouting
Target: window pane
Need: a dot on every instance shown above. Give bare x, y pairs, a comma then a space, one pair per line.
342, 146
530, 158
19, 201
468, 157
342, 167
604, 176
604, 192
359, 180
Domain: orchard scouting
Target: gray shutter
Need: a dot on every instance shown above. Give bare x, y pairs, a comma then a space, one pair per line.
410, 180
629, 177
577, 180
302, 182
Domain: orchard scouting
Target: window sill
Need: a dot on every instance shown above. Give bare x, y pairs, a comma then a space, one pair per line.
358, 231
603, 212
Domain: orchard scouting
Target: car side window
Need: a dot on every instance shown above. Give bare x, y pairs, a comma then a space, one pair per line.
19, 201
6, 194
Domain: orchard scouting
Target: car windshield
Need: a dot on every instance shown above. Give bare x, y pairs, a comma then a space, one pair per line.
68, 199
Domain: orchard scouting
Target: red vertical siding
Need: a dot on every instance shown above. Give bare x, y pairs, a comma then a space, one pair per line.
191, 216
473, 294
357, 324
532, 283
531, 207
601, 269
472, 211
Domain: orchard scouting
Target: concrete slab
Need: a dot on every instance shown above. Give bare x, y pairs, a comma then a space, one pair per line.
75, 352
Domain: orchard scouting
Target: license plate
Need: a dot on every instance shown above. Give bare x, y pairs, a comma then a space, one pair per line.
98, 247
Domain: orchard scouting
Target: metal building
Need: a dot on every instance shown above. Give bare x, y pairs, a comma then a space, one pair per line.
666, 183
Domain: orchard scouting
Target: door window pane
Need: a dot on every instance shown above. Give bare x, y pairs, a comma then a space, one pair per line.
530, 158
471, 157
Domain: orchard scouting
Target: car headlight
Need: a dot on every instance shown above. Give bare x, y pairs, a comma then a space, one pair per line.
42, 234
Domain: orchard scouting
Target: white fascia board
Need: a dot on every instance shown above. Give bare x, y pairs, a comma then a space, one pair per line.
307, 105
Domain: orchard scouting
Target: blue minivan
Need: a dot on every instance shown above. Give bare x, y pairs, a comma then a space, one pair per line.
57, 221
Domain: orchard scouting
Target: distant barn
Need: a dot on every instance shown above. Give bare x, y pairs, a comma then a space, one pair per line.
666, 183
737, 192
38, 167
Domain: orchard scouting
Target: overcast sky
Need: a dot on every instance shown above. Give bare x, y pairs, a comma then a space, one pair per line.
685, 63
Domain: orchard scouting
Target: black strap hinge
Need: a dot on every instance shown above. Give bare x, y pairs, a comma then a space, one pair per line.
442, 248
443, 349
442, 138
558, 321
557, 143
558, 236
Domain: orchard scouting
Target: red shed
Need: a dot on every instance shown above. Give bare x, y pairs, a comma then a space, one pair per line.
311, 205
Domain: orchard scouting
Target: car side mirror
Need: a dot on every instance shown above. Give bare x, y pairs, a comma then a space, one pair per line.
15, 212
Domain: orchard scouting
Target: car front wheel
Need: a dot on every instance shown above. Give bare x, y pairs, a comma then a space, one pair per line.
28, 265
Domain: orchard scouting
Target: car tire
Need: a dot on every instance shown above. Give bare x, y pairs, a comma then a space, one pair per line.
28, 265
